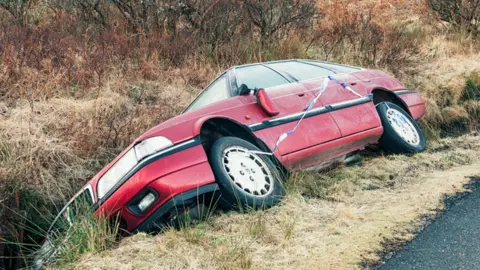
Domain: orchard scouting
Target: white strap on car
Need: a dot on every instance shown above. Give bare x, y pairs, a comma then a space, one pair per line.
321, 89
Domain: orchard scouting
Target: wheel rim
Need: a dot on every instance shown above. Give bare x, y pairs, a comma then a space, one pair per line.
247, 171
403, 127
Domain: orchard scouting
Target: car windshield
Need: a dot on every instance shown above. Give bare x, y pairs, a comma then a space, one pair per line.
215, 92
259, 76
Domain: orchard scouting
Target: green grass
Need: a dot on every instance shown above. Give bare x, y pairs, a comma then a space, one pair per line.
471, 91
87, 234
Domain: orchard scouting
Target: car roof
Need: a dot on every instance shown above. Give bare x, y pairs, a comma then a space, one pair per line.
323, 64
231, 76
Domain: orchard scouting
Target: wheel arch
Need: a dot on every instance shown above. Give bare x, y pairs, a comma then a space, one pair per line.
381, 95
214, 127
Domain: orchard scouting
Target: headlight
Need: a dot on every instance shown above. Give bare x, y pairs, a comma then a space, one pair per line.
128, 161
151, 146
116, 172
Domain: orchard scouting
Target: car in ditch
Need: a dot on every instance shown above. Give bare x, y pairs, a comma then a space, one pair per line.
226, 142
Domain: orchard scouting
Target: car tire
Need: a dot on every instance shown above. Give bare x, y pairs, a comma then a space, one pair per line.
245, 179
401, 133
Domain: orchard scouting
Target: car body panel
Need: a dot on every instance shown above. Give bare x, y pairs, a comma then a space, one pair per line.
311, 132
414, 102
333, 149
376, 78
155, 170
352, 119
171, 185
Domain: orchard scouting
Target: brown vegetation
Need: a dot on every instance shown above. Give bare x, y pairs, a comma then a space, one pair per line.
79, 80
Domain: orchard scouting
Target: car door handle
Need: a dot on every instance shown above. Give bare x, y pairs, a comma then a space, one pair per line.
301, 94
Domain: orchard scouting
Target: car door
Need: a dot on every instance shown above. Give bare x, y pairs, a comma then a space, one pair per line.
352, 114
291, 98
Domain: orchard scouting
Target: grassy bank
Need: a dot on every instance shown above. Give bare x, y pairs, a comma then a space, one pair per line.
79, 83
339, 220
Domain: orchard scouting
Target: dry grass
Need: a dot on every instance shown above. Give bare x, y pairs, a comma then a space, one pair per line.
72, 99
49, 141
441, 81
383, 199
50, 147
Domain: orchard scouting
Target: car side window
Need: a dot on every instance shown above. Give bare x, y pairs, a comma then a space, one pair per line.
217, 91
258, 76
301, 71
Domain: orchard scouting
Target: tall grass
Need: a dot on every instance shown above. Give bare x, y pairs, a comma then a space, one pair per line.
73, 92
77, 231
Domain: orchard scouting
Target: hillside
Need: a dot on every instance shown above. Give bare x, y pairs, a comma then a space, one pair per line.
80, 80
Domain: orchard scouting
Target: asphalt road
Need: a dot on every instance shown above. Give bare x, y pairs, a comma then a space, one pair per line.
452, 241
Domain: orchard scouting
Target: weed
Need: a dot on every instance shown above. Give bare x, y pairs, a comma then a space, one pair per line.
79, 84
288, 226
471, 91
194, 234
257, 225
78, 231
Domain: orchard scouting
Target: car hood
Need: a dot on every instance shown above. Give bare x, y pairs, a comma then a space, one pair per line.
179, 128
186, 125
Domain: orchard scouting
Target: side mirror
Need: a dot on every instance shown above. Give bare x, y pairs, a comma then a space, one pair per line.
266, 103
243, 90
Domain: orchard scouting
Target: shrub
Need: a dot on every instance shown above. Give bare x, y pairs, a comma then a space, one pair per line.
463, 14
471, 91
360, 34
270, 16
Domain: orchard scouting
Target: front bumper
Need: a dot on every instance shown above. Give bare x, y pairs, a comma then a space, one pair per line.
174, 205
185, 169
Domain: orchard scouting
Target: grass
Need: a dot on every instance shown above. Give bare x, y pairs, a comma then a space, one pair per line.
76, 233
66, 111
320, 210
382, 199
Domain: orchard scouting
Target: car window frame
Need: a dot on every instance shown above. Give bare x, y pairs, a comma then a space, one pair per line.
228, 84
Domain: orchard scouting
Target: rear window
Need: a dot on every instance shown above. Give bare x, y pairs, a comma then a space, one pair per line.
258, 76
302, 71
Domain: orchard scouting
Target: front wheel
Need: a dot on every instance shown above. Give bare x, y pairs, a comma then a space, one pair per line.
245, 177
401, 133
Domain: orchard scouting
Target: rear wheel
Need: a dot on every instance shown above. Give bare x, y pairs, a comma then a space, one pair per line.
401, 133
245, 178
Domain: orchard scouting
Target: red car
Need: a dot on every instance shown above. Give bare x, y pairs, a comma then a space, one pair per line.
223, 141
